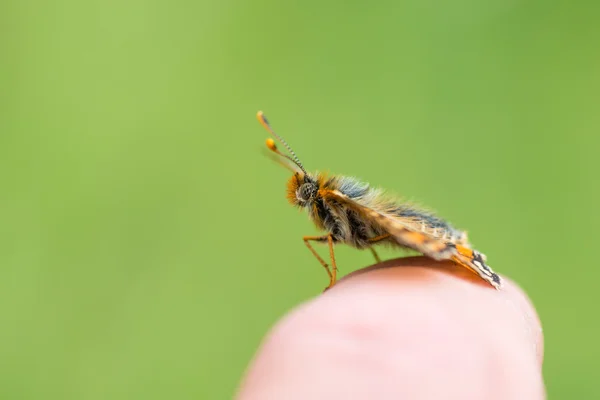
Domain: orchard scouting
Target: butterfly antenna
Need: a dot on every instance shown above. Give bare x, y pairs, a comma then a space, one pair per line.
271, 144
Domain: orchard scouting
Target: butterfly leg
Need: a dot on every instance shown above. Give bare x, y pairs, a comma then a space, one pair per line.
377, 259
375, 240
333, 263
331, 272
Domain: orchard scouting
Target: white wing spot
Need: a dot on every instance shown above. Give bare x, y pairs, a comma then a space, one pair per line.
482, 268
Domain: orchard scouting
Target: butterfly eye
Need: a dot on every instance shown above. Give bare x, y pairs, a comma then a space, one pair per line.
306, 192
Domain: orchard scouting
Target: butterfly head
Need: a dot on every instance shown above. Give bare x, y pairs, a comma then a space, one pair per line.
302, 188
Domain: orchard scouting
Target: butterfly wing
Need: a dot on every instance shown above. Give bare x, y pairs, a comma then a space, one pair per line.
415, 230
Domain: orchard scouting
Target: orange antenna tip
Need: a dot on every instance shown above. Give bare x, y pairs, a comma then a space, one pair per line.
271, 145
260, 116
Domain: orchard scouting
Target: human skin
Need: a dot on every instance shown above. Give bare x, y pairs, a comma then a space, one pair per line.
410, 328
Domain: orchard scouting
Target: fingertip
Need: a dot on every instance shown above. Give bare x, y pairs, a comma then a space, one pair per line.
457, 285
517, 300
392, 329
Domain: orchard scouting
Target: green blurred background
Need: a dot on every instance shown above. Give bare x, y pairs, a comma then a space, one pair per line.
146, 244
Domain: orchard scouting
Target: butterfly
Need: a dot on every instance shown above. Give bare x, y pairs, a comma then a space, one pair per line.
356, 214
